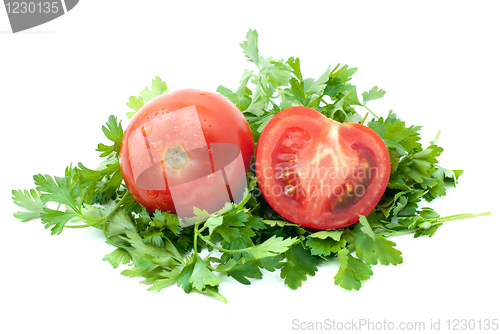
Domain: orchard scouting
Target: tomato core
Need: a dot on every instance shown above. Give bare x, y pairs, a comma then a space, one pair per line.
175, 157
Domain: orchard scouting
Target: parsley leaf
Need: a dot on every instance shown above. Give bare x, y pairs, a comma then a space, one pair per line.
372, 94
352, 271
299, 264
250, 48
158, 87
29, 200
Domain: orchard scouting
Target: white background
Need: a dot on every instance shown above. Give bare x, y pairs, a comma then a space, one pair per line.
59, 82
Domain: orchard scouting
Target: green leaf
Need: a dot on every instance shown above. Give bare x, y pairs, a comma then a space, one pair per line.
271, 263
297, 91
324, 247
113, 130
158, 278
256, 108
299, 264
240, 271
352, 271
344, 74
158, 87
202, 275
365, 227
185, 275
294, 64
119, 223
151, 236
273, 74
332, 234
272, 246
372, 94
241, 101
164, 255
317, 86
29, 200
56, 219
163, 280
372, 250
213, 222
229, 229
135, 103
324, 243
168, 220
117, 257
250, 48
57, 189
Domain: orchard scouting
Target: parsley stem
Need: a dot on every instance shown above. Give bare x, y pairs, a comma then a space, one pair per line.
439, 220
371, 112
208, 242
195, 238
463, 216
97, 221
364, 118
105, 222
434, 142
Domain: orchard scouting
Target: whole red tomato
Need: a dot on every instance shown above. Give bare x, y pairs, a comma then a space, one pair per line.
187, 148
319, 173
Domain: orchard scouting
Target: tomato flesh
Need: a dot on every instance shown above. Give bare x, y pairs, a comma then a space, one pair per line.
184, 149
320, 173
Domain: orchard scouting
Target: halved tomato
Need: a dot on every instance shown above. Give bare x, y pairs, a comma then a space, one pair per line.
319, 173
184, 149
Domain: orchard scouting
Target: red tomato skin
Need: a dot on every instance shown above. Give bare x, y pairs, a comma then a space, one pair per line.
221, 122
319, 127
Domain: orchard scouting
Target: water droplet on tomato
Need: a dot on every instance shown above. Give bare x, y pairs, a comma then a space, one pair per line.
152, 193
176, 128
184, 128
167, 136
167, 122
157, 145
147, 128
210, 178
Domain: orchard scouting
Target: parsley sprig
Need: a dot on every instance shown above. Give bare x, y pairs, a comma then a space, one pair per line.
243, 240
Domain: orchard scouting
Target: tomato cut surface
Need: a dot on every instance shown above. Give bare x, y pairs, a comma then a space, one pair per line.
184, 149
319, 173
